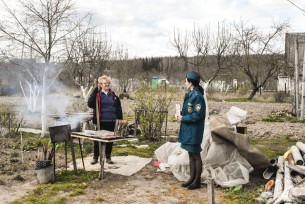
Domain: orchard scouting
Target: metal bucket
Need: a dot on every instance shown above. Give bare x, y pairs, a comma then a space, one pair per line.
45, 175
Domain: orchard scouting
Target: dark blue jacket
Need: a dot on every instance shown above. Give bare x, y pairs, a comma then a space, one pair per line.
112, 106
193, 116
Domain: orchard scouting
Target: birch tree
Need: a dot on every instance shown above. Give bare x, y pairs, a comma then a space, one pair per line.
38, 29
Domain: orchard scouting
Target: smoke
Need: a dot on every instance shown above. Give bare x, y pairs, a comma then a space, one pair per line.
59, 99
60, 108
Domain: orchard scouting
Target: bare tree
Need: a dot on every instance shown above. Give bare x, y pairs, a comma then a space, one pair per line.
170, 67
202, 42
126, 70
193, 43
88, 60
258, 54
222, 48
38, 29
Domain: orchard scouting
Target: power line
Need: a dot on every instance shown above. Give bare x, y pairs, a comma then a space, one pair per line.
296, 6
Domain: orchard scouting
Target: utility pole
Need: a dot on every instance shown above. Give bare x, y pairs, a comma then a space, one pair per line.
299, 96
296, 77
303, 89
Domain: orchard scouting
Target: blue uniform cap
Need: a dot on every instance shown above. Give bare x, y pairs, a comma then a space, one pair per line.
193, 75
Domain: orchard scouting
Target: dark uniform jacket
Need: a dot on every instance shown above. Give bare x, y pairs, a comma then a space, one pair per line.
95, 100
193, 116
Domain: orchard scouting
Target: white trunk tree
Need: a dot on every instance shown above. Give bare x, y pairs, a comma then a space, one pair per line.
39, 29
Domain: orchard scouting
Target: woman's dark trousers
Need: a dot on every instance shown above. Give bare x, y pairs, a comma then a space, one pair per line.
104, 126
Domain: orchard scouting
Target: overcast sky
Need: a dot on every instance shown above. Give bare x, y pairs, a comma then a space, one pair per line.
145, 27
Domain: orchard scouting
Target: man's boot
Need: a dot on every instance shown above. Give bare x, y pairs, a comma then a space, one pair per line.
192, 172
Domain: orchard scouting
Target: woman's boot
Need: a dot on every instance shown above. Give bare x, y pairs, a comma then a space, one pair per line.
192, 172
198, 169
195, 185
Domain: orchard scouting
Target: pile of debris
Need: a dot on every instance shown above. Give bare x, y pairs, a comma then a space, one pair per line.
227, 156
287, 176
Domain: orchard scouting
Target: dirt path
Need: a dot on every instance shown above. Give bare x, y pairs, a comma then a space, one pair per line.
146, 186
11, 193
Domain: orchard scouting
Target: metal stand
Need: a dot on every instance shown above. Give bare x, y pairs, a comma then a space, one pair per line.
102, 149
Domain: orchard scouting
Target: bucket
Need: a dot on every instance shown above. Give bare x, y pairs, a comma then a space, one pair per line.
45, 175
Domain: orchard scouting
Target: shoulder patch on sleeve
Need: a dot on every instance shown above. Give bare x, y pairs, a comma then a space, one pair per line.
198, 107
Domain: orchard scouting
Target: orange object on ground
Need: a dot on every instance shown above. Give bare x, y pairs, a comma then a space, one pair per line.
269, 185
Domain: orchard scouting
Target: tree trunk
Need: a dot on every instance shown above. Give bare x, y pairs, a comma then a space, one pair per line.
43, 104
255, 89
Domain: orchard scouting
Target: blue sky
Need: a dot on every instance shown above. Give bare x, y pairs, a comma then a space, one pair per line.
146, 27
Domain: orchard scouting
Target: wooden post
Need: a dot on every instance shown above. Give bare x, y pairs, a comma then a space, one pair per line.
211, 196
135, 123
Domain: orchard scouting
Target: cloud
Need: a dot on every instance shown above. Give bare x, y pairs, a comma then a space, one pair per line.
145, 27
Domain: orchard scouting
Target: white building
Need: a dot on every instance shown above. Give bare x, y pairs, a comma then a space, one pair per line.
285, 84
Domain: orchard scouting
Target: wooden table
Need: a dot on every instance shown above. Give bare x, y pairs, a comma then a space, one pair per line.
102, 141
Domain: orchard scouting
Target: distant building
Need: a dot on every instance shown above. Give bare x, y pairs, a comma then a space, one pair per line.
284, 83
218, 85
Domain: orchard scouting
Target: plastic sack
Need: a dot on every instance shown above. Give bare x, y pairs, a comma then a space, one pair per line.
236, 115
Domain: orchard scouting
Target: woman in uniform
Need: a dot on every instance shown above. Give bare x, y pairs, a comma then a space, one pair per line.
192, 126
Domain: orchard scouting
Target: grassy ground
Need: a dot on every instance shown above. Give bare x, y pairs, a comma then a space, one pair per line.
74, 185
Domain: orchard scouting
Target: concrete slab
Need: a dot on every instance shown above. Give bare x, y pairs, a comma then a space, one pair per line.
123, 165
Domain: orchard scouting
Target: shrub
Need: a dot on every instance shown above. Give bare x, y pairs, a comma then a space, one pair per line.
282, 116
281, 96
152, 108
242, 90
8, 123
